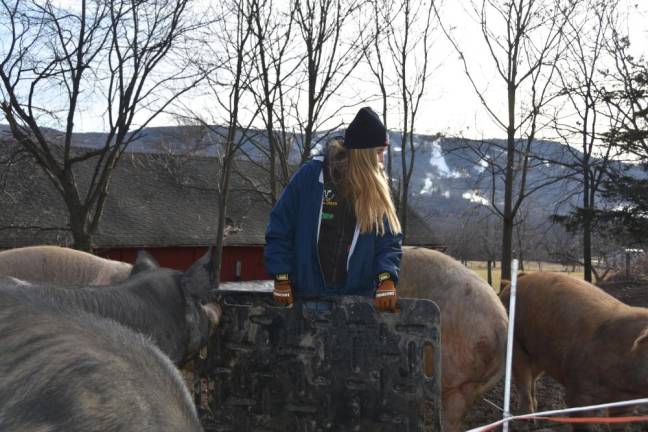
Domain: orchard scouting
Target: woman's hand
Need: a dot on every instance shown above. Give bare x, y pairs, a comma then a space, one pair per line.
282, 290
386, 296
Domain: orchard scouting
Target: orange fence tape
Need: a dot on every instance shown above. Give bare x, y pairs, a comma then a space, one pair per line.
602, 420
630, 419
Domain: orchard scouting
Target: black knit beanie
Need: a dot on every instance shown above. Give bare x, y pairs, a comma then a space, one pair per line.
366, 131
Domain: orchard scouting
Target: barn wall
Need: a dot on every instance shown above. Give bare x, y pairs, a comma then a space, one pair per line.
251, 263
250, 259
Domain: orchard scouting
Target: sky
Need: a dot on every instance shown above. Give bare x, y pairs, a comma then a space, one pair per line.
449, 105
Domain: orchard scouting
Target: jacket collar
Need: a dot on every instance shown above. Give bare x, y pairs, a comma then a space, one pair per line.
320, 158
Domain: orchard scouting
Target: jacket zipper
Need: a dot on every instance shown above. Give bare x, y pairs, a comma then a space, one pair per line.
319, 226
338, 243
354, 242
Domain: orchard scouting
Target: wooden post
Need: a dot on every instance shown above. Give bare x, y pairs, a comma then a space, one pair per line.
490, 272
627, 265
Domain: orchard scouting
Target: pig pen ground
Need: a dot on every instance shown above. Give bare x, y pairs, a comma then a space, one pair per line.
549, 392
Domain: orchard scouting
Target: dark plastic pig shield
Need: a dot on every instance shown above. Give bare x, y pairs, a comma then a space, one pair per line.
332, 365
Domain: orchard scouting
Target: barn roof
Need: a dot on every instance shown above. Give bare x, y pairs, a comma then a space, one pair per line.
155, 200
420, 233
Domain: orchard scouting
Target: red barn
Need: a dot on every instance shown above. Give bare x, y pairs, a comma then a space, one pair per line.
165, 204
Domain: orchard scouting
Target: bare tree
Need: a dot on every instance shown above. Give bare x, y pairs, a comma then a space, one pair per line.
375, 58
525, 39
579, 121
332, 53
401, 48
487, 240
482, 231
58, 62
230, 40
560, 246
412, 72
272, 31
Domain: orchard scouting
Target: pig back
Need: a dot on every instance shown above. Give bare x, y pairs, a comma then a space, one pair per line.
465, 300
559, 306
61, 266
581, 336
72, 371
553, 310
473, 320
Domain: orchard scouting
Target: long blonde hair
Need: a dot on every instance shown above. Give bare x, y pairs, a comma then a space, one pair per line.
360, 178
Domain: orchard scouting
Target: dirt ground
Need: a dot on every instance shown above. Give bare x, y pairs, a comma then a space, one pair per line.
549, 392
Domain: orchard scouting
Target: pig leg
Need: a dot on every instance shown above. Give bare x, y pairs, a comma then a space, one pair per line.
525, 375
574, 397
454, 405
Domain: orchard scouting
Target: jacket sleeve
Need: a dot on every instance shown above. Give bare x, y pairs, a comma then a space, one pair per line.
278, 252
388, 253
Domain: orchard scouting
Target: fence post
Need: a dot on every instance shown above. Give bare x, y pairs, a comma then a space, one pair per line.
509, 345
627, 264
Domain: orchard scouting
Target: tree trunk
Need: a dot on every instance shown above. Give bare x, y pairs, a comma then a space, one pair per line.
507, 253
587, 226
520, 248
403, 204
627, 265
308, 139
273, 174
220, 238
222, 204
508, 217
587, 247
389, 150
81, 240
404, 184
489, 272
78, 220
310, 121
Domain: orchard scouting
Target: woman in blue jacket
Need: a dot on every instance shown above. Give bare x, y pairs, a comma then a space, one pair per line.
335, 231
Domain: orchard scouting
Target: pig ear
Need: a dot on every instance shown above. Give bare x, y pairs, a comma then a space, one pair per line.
199, 279
504, 283
641, 341
144, 262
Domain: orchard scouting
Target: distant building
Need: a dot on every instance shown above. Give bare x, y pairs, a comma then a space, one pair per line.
167, 205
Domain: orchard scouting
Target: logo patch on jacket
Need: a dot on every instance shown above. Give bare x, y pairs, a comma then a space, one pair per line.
329, 197
329, 204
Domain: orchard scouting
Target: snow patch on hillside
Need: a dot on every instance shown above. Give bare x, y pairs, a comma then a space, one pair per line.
428, 187
438, 161
481, 166
475, 196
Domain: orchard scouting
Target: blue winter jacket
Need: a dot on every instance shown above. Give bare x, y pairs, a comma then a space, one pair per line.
292, 236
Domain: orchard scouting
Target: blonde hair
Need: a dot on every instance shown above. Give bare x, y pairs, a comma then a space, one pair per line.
360, 178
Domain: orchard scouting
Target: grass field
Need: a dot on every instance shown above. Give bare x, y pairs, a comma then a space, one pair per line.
480, 268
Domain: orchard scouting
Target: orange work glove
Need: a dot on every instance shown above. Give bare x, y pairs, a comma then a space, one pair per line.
282, 290
386, 296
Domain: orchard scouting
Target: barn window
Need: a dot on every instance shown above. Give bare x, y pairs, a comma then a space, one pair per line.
237, 271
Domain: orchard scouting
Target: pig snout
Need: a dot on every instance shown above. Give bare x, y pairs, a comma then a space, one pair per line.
213, 312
